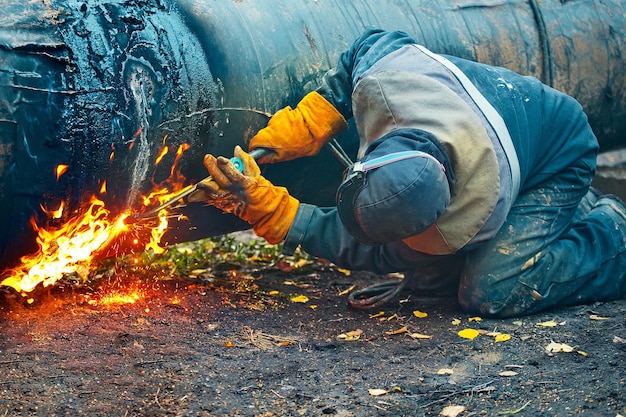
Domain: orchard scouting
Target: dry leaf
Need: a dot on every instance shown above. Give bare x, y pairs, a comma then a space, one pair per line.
379, 314
420, 314
420, 336
377, 392
468, 333
452, 410
475, 319
503, 337
549, 323
507, 373
273, 292
456, 322
617, 339
445, 371
351, 336
398, 331
559, 347
596, 317
300, 299
346, 291
346, 272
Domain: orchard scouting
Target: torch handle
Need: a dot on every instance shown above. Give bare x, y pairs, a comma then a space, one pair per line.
237, 163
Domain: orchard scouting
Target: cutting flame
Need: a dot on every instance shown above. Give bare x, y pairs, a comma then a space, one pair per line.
67, 249
72, 247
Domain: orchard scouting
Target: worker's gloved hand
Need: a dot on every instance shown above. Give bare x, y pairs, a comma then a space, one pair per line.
248, 195
303, 131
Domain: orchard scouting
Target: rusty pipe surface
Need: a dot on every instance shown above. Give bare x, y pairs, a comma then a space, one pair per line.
102, 85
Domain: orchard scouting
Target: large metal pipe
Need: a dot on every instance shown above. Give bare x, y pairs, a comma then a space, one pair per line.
99, 85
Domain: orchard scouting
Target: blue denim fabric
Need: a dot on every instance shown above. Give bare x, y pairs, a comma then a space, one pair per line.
561, 245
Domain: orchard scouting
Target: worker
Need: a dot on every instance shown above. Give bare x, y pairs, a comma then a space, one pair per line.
470, 178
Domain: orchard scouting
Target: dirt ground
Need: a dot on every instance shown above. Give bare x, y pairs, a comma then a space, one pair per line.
246, 343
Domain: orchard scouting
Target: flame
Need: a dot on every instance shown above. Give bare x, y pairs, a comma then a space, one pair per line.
61, 169
103, 187
72, 247
161, 154
54, 214
66, 250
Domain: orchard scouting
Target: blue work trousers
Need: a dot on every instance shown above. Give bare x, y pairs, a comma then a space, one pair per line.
561, 245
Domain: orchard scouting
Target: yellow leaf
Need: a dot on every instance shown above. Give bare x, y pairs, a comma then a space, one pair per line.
379, 314
351, 336
313, 306
395, 316
452, 410
456, 322
475, 319
300, 299
503, 337
398, 331
273, 292
346, 291
580, 352
420, 314
346, 272
507, 373
549, 323
596, 317
445, 371
377, 392
420, 336
468, 333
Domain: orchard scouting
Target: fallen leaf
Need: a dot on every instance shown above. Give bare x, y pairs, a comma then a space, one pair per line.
313, 306
580, 352
300, 299
549, 323
351, 336
346, 272
377, 392
507, 373
379, 314
475, 319
452, 410
456, 322
596, 317
554, 347
346, 291
273, 292
617, 339
420, 336
398, 331
503, 337
420, 314
445, 371
468, 333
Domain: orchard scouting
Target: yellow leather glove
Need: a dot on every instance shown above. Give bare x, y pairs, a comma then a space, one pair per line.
268, 208
303, 131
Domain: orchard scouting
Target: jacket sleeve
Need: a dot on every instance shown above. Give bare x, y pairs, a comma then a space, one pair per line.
371, 46
320, 233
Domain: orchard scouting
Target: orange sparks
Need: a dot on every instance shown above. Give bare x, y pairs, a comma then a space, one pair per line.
61, 169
